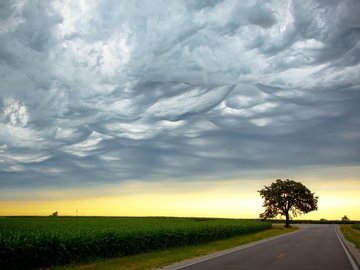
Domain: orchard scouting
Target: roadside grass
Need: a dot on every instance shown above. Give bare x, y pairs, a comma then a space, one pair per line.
156, 259
352, 233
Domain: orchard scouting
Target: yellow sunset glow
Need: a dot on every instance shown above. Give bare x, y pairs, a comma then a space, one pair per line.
231, 199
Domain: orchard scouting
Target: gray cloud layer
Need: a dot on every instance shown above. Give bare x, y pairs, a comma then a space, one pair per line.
102, 91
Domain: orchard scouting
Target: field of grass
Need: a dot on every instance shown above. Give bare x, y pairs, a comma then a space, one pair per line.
356, 226
352, 233
47, 241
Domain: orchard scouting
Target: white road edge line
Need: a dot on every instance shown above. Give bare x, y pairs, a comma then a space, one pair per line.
353, 264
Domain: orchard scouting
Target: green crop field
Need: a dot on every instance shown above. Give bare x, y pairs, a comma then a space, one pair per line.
356, 226
31, 242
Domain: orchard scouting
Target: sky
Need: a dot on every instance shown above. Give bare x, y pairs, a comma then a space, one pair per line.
177, 108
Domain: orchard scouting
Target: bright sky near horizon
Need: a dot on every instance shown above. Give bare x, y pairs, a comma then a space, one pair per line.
177, 108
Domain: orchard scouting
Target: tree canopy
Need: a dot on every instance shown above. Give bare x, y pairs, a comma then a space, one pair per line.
288, 198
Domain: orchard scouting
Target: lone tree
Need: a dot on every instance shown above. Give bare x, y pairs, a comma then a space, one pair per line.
55, 214
286, 197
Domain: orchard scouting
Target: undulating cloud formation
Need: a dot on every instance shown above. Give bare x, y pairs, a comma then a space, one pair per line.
108, 91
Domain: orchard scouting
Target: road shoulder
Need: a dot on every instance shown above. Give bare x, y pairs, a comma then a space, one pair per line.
354, 252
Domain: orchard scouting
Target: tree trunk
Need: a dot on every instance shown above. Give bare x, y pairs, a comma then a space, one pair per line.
287, 224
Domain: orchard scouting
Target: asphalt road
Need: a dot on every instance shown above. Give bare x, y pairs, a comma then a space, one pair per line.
312, 247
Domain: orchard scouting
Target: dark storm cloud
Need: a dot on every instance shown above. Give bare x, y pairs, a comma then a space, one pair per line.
97, 91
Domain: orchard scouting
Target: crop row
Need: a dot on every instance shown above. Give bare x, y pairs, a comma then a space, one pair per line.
54, 245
